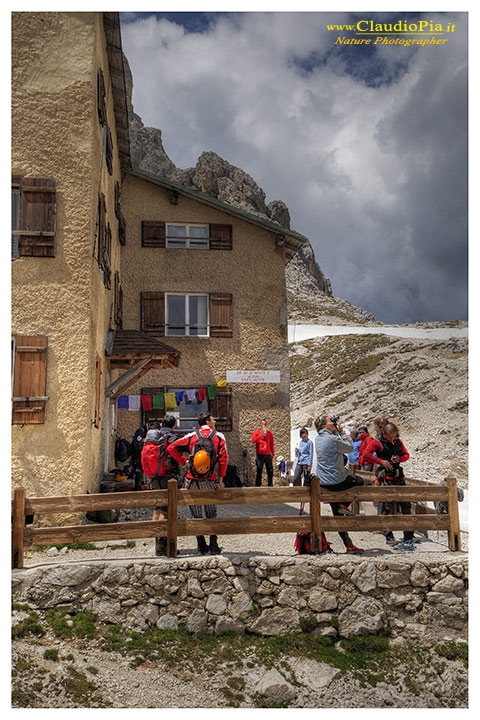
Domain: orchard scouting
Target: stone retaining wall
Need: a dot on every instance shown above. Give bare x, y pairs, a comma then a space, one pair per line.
264, 595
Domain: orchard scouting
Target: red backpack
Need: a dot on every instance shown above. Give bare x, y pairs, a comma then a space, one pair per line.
154, 457
302, 544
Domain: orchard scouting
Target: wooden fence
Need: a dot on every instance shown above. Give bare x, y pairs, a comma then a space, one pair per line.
172, 528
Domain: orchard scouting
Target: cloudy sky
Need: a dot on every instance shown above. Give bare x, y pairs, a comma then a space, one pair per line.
367, 145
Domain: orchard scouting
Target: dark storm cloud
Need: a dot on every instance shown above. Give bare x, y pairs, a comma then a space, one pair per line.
368, 150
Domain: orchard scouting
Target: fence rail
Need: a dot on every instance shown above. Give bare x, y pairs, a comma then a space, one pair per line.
172, 528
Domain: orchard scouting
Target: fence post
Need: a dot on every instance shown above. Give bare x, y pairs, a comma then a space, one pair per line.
315, 534
356, 503
172, 506
454, 540
18, 524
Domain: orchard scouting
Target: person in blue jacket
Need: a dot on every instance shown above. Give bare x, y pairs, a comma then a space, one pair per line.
353, 456
304, 456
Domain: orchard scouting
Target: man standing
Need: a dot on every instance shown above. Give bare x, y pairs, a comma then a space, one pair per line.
331, 444
205, 447
304, 454
265, 451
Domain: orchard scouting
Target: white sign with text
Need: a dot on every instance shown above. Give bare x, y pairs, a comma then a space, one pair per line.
253, 376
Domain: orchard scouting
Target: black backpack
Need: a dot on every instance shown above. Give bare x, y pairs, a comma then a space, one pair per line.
203, 443
122, 450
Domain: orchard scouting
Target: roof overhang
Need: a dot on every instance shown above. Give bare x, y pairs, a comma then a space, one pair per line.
111, 24
138, 354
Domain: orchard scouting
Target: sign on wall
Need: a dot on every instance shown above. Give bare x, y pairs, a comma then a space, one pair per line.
253, 376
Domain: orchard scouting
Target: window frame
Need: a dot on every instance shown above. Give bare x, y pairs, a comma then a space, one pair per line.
187, 324
187, 237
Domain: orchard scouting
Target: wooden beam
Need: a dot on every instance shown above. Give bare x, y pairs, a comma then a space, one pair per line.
96, 501
92, 533
126, 380
454, 542
18, 527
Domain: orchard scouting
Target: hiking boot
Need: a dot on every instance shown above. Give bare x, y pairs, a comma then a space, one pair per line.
214, 549
405, 546
160, 546
352, 549
202, 545
390, 540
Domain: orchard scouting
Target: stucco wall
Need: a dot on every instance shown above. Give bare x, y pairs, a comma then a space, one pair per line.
55, 134
253, 271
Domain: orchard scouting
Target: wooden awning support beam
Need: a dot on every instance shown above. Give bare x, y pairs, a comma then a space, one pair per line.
128, 378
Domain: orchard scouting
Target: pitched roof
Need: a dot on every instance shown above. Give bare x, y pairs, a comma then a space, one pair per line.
134, 342
293, 240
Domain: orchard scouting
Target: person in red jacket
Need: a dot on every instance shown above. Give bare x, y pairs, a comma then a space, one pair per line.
203, 477
389, 453
265, 452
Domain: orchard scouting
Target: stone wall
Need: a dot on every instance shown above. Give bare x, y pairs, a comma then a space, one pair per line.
262, 595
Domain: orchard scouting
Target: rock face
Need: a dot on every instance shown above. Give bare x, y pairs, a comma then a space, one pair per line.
215, 176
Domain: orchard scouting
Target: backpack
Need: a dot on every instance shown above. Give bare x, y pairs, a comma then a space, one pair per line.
122, 450
302, 544
205, 444
154, 457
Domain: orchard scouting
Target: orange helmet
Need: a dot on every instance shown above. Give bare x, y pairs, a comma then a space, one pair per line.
201, 462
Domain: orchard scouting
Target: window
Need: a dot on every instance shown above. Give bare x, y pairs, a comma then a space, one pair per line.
29, 379
196, 236
186, 315
187, 236
33, 217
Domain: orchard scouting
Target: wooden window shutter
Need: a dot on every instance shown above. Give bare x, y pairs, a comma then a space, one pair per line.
106, 256
101, 97
118, 302
153, 313
153, 233
102, 220
29, 379
221, 315
121, 224
98, 390
109, 150
221, 409
221, 237
38, 211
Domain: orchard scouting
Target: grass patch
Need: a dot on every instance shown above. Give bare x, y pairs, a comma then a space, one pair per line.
82, 624
308, 624
452, 650
51, 654
78, 685
29, 626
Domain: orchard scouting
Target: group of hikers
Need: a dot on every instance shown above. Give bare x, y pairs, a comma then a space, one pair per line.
204, 453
